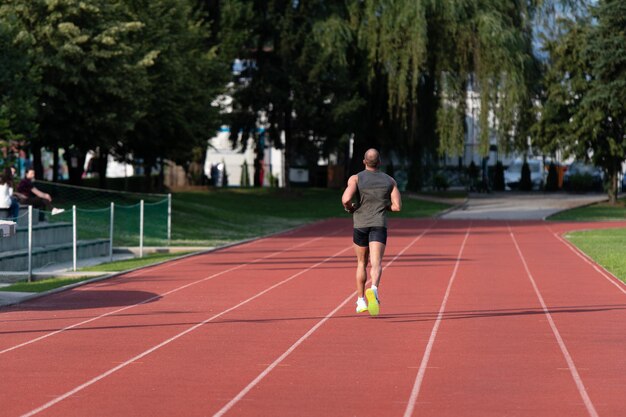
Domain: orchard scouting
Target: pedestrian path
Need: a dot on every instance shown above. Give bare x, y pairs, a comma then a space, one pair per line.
519, 206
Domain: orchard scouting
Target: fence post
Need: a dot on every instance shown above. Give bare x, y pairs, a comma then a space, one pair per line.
74, 238
141, 229
111, 231
30, 243
169, 219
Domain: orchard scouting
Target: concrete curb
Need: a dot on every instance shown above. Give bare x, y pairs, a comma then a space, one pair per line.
13, 298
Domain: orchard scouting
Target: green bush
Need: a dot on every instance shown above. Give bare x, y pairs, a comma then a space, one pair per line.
580, 182
440, 182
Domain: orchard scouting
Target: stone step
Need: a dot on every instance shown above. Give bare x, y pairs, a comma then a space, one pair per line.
44, 234
22, 217
17, 260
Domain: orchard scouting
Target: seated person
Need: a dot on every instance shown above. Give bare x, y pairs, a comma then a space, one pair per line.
7, 199
28, 194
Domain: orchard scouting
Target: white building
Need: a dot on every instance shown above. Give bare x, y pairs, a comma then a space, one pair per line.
220, 155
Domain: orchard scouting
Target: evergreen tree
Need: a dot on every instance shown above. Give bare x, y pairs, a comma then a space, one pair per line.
552, 182
525, 183
498, 178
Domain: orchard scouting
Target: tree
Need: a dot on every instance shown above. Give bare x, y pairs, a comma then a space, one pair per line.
92, 77
289, 81
18, 81
498, 178
552, 182
525, 183
584, 105
184, 78
602, 116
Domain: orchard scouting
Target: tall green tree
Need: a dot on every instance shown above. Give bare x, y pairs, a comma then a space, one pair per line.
92, 76
184, 78
419, 60
602, 119
18, 81
288, 85
583, 109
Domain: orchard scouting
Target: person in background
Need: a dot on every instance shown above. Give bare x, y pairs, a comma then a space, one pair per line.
30, 195
7, 199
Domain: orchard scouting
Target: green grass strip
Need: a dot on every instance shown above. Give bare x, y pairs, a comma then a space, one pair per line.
607, 247
43, 285
133, 263
117, 266
594, 212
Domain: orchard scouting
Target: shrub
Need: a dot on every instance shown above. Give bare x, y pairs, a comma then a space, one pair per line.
581, 182
440, 182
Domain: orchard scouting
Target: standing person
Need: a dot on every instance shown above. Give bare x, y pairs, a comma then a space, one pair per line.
376, 193
7, 199
30, 195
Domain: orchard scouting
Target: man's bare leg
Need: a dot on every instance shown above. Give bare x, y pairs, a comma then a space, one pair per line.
362, 255
377, 251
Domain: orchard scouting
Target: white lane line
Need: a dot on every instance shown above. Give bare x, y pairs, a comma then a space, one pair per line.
568, 358
433, 334
173, 338
293, 347
156, 297
606, 274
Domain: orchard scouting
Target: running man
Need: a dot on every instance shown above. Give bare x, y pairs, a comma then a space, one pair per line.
376, 193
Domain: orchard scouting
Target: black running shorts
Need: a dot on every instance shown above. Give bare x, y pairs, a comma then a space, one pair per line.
363, 236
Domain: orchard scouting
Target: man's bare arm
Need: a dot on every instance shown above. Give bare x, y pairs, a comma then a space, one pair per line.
41, 194
349, 194
396, 199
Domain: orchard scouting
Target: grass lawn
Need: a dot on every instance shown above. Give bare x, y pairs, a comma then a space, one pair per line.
607, 247
217, 217
594, 212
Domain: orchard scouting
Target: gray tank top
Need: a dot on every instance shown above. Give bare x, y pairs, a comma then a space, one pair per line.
374, 197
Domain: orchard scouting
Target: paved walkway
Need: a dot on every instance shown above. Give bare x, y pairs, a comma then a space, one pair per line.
519, 206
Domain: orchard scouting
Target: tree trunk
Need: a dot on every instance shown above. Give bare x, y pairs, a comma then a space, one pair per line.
288, 148
55, 164
37, 164
147, 175
612, 185
103, 160
75, 161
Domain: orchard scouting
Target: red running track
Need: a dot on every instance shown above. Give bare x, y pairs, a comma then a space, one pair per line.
477, 319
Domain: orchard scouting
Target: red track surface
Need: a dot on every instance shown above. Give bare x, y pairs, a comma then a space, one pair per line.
477, 319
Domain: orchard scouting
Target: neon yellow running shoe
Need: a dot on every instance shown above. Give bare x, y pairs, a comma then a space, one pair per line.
372, 302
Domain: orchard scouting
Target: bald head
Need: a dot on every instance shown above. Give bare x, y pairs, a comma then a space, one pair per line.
371, 158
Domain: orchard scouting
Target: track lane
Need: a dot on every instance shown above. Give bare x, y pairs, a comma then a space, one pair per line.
23, 324
589, 313
363, 366
500, 359
496, 355
57, 362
